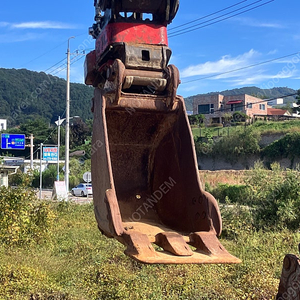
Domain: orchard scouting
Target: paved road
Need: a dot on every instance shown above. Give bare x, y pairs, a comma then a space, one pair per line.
47, 195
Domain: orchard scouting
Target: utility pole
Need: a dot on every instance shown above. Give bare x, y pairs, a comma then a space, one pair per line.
31, 151
41, 173
58, 145
67, 152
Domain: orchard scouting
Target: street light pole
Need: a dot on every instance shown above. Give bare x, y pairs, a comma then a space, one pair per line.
59, 123
67, 161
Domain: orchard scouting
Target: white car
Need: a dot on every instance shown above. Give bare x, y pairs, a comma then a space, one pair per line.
82, 189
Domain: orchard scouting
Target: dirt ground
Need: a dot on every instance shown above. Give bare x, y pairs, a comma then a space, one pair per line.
222, 176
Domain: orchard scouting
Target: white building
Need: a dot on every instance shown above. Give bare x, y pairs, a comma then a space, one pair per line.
276, 102
5, 171
3, 124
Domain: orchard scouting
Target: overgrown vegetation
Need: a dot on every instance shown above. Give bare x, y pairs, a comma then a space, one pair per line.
77, 262
279, 127
243, 141
272, 197
32, 179
238, 144
23, 219
288, 146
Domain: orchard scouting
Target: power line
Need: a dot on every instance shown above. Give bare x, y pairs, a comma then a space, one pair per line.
61, 67
55, 64
196, 27
49, 51
209, 15
248, 5
242, 68
43, 54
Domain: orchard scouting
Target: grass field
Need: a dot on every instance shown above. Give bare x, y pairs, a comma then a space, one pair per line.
77, 262
263, 127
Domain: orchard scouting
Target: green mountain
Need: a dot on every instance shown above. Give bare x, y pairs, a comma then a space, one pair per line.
277, 92
26, 95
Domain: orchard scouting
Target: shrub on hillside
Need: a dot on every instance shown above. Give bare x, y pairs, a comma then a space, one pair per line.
235, 193
275, 196
22, 217
237, 144
288, 146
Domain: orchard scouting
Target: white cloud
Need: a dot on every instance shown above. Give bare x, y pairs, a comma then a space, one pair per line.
237, 71
225, 64
42, 25
272, 52
9, 38
261, 77
255, 23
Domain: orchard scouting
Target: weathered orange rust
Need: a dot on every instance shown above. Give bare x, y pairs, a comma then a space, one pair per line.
289, 286
147, 191
146, 185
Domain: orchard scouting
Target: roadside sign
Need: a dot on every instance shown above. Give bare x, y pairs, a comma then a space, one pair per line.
12, 141
59, 191
87, 177
50, 153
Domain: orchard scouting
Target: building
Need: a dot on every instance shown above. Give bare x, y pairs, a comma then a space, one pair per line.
276, 102
214, 107
5, 171
275, 113
3, 124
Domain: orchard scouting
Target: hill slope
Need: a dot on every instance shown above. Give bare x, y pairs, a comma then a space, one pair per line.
26, 95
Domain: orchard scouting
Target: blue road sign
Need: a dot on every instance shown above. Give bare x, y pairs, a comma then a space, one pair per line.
12, 141
50, 153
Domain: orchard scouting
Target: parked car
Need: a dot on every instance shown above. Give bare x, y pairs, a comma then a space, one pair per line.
82, 189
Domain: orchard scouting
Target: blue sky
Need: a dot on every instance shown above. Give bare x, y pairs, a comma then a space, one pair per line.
34, 34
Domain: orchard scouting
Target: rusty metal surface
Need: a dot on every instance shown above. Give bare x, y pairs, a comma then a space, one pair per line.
147, 191
119, 79
289, 286
146, 186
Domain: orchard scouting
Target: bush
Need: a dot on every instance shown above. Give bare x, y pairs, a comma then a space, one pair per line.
235, 193
275, 196
288, 146
237, 144
22, 217
236, 220
21, 179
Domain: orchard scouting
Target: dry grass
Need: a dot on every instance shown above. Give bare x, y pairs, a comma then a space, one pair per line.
213, 178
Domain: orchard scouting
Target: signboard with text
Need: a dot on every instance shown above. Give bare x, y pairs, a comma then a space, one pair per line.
50, 153
12, 141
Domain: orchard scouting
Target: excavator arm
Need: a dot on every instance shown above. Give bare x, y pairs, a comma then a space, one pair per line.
147, 192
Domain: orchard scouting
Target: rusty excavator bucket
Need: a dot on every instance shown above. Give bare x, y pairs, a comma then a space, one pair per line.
147, 192
289, 286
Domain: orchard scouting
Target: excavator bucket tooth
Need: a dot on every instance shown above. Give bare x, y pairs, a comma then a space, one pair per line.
147, 191
174, 243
